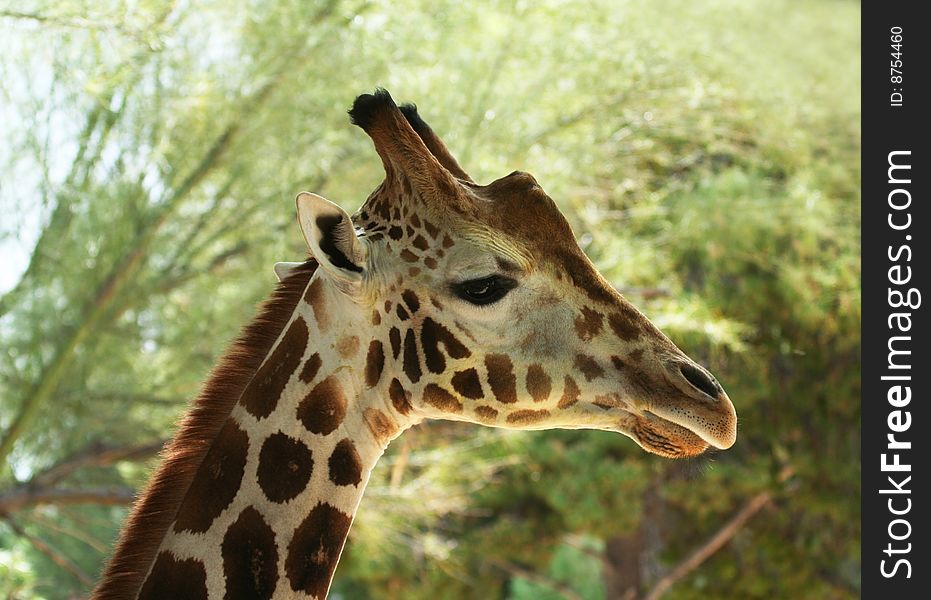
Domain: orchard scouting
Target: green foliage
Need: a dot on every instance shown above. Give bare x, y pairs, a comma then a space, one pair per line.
706, 153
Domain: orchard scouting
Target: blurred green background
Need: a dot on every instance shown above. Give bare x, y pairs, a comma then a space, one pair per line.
706, 153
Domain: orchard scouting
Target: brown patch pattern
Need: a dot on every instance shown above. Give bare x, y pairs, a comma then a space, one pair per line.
570, 393
625, 324
411, 360
468, 384
314, 297
539, 383
501, 377
311, 367
527, 417
486, 414
153, 513
402, 312
315, 548
394, 336
250, 559
588, 324
345, 464
285, 467
588, 366
400, 398
261, 395
432, 334
323, 408
381, 425
217, 481
374, 363
176, 579
606, 401
440, 399
410, 298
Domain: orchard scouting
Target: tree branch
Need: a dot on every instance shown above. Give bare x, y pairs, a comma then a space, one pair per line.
55, 556
716, 542
123, 273
95, 454
25, 496
537, 578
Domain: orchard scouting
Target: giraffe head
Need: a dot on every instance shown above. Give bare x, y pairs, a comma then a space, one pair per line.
483, 307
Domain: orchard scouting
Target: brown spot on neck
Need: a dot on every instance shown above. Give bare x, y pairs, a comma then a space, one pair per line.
374, 363
261, 395
382, 427
345, 464
400, 398
315, 298
323, 408
173, 578
588, 324
217, 481
315, 548
250, 558
411, 359
311, 367
394, 337
285, 467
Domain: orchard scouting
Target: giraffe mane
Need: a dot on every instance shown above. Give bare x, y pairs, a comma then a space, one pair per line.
154, 511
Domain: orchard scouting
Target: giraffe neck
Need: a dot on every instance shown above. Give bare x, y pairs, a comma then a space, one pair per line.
269, 509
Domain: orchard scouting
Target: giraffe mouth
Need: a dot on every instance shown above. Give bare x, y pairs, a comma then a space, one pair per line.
665, 438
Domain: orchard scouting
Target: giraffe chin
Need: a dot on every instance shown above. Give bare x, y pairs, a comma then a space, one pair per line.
665, 438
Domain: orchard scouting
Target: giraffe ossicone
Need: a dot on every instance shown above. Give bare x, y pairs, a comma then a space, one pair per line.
440, 298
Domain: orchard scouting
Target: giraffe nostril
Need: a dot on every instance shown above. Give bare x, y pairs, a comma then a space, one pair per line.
700, 380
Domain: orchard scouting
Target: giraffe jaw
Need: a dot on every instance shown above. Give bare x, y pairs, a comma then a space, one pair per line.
696, 431
661, 436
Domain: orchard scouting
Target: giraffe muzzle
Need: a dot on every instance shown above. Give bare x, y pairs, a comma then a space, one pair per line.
701, 406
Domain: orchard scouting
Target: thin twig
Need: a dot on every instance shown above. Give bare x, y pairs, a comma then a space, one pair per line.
54, 555
24, 496
716, 542
95, 454
537, 578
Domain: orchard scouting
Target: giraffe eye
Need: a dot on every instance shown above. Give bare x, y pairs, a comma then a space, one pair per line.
486, 290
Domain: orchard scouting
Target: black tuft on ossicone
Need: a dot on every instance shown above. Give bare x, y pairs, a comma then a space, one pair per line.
366, 107
413, 117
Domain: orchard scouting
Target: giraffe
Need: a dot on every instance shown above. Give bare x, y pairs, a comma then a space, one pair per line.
439, 299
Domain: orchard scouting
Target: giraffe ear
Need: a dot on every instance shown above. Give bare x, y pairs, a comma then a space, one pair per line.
283, 269
331, 237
